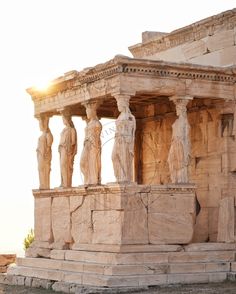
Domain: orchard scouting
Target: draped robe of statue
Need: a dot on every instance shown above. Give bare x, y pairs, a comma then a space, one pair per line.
179, 154
123, 149
44, 156
67, 149
90, 162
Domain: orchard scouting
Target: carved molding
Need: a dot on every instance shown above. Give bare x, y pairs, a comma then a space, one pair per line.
165, 77
196, 31
114, 188
133, 67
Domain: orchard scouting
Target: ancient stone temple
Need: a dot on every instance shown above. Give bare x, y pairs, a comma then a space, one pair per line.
170, 215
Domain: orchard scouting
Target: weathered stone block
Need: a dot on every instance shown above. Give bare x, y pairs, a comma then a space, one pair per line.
43, 219
57, 254
220, 40
188, 278
226, 221
228, 56
76, 202
194, 49
81, 220
201, 230
107, 226
106, 201
187, 268
171, 203
61, 223
217, 267
213, 215
212, 58
209, 246
138, 233
94, 257
170, 228
40, 263
72, 277
133, 201
183, 257
37, 252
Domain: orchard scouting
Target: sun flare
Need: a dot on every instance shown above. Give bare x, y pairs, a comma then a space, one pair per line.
42, 85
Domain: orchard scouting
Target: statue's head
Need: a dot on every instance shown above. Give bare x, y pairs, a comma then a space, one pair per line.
181, 109
43, 122
66, 118
123, 104
91, 109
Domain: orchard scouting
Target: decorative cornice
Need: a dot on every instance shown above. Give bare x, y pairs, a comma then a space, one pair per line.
131, 66
115, 188
196, 31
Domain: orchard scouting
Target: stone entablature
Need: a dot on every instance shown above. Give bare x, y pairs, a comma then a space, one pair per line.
123, 75
194, 32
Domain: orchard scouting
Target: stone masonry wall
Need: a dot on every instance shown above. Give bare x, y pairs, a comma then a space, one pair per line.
213, 158
211, 41
217, 50
113, 215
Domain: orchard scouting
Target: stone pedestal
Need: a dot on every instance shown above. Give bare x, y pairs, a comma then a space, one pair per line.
115, 214
92, 235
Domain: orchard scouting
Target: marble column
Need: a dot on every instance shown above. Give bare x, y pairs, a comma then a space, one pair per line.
90, 161
179, 153
123, 149
44, 152
67, 149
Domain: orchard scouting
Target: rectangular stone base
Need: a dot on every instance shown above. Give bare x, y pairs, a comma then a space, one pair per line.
136, 267
116, 214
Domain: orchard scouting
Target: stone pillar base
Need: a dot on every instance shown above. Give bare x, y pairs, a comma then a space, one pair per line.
115, 236
115, 214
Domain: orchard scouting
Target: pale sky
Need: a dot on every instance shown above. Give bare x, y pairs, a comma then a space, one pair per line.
41, 40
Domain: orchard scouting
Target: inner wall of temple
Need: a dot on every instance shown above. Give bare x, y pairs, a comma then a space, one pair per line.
213, 158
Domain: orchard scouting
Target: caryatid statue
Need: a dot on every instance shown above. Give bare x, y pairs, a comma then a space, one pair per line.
179, 153
44, 152
90, 161
123, 149
67, 149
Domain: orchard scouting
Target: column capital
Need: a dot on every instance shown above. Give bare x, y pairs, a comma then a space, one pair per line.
43, 115
65, 111
124, 96
180, 98
91, 103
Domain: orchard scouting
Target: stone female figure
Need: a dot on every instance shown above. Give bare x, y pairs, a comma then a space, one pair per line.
179, 154
44, 153
90, 162
123, 149
67, 149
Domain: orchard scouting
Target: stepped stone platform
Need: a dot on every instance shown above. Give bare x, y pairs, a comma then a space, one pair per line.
133, 267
